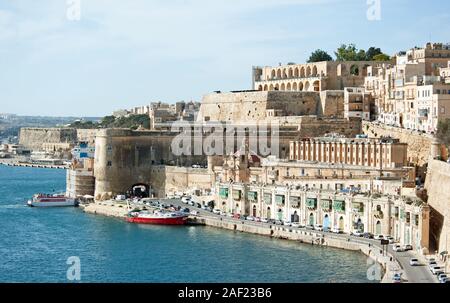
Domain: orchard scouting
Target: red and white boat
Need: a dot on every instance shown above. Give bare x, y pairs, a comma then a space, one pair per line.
46, 200
157, 217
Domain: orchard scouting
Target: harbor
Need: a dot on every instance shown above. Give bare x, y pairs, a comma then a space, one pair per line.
109, 247
388, 260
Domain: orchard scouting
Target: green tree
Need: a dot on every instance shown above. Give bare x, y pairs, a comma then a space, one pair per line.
381, 57
318, 56
351, 53
347, 53
372, 52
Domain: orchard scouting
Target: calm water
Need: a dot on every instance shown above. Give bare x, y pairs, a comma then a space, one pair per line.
35, 244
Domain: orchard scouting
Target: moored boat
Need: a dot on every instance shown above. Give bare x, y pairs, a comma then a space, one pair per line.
47, 200
157, 217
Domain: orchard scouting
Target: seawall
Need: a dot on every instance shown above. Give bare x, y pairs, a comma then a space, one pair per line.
112, 209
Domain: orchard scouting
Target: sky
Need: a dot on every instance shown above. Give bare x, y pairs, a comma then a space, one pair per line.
119, 54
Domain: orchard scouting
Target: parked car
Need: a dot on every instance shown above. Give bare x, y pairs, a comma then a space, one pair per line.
186, 200
408, 247
309, 226
287, 223
336, 230
204, 207
414, 262
437, 270
356, 233
237, 216
390, 239
318, 227
278, 222
264, 220
397, 278
230, 215
222, 213
432, 264
378, 237
192, 203
398, 248
250, 218
296, 224
216, 211
442, 277
257, 219
194, 212
368, 235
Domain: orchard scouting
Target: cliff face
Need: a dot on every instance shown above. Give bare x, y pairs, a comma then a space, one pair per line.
33, 138
436, 184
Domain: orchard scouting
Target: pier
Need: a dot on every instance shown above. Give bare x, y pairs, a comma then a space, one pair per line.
32, 165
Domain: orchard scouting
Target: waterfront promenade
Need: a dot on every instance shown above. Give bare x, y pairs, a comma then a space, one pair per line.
392, 262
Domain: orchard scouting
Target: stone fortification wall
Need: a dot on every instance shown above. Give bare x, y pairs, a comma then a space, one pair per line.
170, 179
253, 105
420, 146
33, 138
436, 184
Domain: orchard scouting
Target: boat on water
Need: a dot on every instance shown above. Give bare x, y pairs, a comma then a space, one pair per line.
160, 217
49, 200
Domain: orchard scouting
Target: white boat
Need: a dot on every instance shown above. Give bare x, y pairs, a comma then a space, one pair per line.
46, 200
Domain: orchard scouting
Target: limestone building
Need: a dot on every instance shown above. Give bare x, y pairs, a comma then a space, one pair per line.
406, 219
380, 153
414, 93
310, 77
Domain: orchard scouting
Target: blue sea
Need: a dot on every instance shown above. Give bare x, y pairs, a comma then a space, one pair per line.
35, 244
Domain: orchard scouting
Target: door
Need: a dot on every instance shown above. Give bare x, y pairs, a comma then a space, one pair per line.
341, 223
295, 217
378, 228
254, 210
311, 219
280, 214
326, 223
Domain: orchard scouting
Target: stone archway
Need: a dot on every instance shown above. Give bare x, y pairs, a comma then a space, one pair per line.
282, 87
140, 190
306, 87
300, 86
288, 86
290, 73
308, 71
260, 87
294, 86
296, 72
316, 86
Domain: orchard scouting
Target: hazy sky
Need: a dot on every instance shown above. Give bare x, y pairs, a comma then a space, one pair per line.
128, 53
